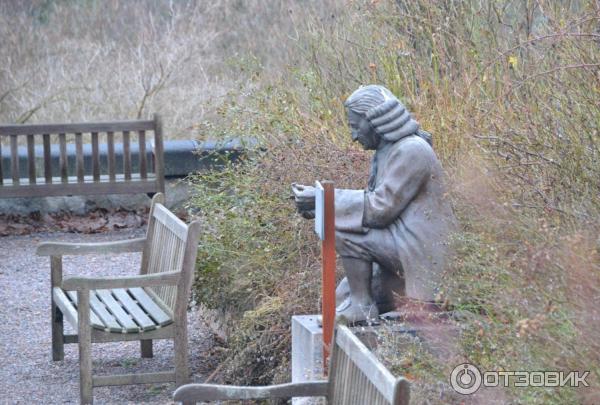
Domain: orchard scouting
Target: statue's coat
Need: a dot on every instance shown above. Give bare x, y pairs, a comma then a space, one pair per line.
403, 223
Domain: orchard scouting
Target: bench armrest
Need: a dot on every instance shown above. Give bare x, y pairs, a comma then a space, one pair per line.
211, 392
63, 249
99, 283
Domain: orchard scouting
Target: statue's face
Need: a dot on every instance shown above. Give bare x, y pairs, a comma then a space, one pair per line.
362, 130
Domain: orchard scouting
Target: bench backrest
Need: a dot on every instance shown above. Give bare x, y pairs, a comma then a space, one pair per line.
171, 245
43, 168
358, 377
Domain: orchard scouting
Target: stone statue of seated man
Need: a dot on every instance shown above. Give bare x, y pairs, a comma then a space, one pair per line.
392, 236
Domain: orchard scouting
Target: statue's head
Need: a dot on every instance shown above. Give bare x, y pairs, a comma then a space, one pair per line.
374, 113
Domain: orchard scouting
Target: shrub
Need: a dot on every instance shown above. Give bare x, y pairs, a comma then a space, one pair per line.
508, 91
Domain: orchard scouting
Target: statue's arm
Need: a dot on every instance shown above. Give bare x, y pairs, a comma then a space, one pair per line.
407, 168
349, 210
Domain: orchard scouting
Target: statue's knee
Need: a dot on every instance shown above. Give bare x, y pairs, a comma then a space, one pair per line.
340, 240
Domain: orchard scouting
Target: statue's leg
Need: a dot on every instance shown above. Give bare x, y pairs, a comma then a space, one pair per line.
366, 289
342, 291
359, 276
387, 286
359, 306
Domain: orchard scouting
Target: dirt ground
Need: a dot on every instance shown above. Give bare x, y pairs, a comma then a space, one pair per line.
27, 372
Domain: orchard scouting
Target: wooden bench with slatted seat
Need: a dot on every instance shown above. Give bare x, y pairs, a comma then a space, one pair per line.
47, 166
148, 306
356, 377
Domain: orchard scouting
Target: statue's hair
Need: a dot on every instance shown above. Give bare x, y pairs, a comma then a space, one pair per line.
388, 116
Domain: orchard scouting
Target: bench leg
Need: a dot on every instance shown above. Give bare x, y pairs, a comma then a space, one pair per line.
56, 316
85, 347
146, 346
182, 374
58, 345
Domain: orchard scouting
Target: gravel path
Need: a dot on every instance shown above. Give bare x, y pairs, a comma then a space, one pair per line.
27, 372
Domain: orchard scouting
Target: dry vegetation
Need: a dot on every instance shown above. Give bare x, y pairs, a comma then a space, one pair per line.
509, 89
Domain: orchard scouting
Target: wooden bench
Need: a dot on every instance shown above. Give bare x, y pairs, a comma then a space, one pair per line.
356, 377
47, 169
151, 305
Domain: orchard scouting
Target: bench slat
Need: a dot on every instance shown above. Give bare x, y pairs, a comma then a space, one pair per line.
31, 158
135, 310
127, 379
14, 159
115, 308
96, 322
126, 155
86, 188
47, 159
142, 154
1, 169
85, 127
106, 317
65, 305
112, 162
79, 157
95, 157
63, 162
144, 300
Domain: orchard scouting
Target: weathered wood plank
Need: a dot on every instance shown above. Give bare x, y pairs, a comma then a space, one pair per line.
48, 190
64, 248
139, 316
168, 310
77, 127
112, 162
95, 157
79, 157
101, 336
159, 163
211, 392
66, 306
31, 159
170, 220
127, 379
107, 318
14, 159
115, 308
56, 316
47, 159
68, 339
85, 347
183, 289
63, 159
126, 155
362, 358
100, 283
158, 198
1, 166
142, 154
95, 321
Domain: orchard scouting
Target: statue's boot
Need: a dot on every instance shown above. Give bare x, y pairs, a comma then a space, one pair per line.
354, 313
386, 287
359, 305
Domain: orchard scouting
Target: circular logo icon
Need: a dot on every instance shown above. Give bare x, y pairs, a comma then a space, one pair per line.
465, 379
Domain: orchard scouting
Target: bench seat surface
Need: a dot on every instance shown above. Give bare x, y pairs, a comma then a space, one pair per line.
120, 310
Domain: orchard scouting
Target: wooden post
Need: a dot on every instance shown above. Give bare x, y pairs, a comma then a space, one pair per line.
328, 263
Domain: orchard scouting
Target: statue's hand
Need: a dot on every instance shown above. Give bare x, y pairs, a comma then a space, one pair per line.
304, 197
